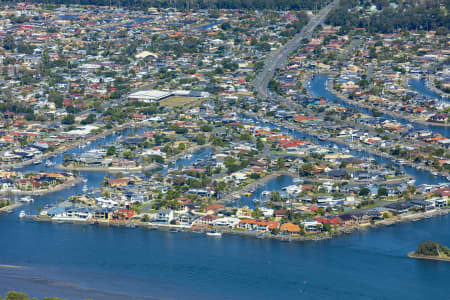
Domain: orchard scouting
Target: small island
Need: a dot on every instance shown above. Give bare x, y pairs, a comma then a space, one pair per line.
431, 250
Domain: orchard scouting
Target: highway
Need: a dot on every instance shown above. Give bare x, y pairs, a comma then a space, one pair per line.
279, 57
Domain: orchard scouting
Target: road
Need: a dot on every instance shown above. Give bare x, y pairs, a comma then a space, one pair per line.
279, 57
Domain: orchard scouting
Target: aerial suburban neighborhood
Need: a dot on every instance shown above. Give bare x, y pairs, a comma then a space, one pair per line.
276, 122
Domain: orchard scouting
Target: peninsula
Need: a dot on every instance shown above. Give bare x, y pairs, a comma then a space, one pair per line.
431, 250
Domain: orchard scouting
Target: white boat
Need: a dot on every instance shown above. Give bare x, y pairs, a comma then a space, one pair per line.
214, 233
22, 214
85, 188
411, 182
188, 156
84, 180
297, 180
37, 162
400, 161
26, 199
49, 163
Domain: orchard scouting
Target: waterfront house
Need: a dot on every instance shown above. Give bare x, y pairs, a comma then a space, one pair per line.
290, 229
124, 215
227, 222
206, 220
257, 225
164, 216
311, 225
400, 207
186, 219
244, 212
103, 214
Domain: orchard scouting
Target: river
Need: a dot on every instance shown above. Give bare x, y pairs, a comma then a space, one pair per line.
76, 261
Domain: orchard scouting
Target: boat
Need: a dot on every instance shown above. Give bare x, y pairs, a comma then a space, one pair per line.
297, 180
188, 156
286, 239
321, 138
22, 214
49, 163
174, 230
85, 188
400, 161
84, 180
214, 233
26, 199
248, 194
130, 225
37, 162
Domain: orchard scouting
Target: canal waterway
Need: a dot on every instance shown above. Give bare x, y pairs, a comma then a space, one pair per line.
318, 87
420, 86
421, 176
79, 261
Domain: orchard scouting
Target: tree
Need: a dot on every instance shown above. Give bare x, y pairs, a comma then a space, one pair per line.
56, 98
429, 248
89, 119
8, 42
306, 169
364, 191
259, 144
280, 163
69, 119
111, 151
382, 192
16, 296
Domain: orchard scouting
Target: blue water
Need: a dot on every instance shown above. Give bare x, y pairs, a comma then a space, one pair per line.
318, 88
75, 261
274, 184
420, 86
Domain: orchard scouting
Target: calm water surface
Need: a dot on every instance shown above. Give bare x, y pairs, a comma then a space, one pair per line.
107, 262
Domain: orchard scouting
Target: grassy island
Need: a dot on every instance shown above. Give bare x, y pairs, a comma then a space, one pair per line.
431, 250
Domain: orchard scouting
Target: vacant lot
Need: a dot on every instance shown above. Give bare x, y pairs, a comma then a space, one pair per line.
177, 101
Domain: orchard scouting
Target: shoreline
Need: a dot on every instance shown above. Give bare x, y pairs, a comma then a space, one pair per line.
70, 146
42, 192
345, 99
9, 208
361, 147
255, 234
110, 169
151, 167
438, 258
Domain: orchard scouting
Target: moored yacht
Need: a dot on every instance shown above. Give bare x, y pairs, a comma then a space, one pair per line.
26, 199
214, 233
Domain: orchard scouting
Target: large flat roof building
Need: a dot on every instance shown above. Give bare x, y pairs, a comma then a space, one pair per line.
149, 96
